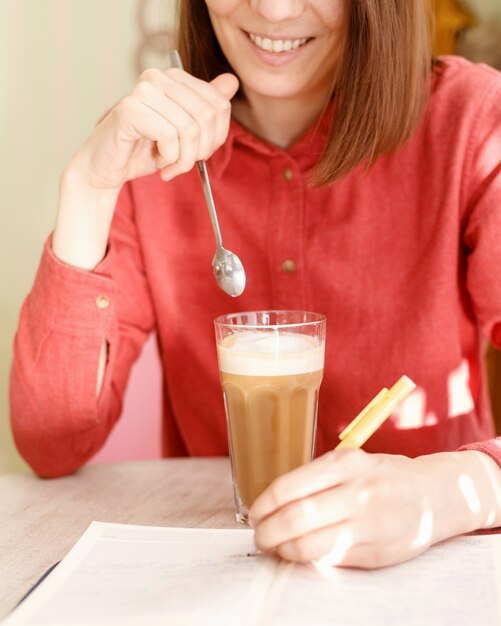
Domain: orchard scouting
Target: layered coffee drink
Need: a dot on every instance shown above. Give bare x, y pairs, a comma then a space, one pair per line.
271, 380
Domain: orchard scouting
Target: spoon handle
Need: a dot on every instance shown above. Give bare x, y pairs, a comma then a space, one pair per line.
175, 60
204, 177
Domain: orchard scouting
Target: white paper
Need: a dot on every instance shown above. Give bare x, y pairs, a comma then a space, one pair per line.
120, 574
456, 583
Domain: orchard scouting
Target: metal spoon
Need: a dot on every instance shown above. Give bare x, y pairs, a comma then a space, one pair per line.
227, 267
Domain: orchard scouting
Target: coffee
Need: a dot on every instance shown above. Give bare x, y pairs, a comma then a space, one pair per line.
270, 382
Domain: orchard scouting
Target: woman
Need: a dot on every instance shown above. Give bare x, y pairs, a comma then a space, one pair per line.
352, 179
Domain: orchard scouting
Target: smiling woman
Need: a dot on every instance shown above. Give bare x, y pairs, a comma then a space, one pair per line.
353, 177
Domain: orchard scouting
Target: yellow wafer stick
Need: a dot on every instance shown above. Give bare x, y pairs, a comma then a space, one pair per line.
363, 413
375, 416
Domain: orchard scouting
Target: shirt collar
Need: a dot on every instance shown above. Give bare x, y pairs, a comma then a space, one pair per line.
305, 151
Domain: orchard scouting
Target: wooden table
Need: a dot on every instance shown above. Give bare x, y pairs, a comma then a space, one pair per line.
41, 519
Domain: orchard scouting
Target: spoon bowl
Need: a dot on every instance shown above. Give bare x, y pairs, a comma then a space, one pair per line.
229, 272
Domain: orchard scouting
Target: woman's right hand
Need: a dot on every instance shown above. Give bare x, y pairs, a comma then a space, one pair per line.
168, 122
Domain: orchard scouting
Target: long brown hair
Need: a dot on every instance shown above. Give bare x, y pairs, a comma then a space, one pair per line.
380, 87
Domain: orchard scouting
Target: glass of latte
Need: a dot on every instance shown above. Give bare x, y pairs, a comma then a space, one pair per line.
271, 366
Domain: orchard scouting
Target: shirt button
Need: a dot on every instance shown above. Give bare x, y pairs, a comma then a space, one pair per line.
289, 266
287, 174
102, 302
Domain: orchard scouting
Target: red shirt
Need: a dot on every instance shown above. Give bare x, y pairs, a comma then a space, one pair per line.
404, 260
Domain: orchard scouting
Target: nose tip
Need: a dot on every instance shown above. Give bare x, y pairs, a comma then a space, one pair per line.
278, 10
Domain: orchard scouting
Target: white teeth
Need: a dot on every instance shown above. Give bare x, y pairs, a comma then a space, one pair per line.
277, 45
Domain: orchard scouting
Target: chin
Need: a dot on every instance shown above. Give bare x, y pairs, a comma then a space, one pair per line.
274, 89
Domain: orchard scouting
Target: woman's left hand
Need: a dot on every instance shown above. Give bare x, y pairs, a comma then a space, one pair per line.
351, 508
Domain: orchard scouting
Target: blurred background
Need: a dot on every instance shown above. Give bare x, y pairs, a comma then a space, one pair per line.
62, 64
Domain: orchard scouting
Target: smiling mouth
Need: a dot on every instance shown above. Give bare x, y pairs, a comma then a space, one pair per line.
277, 45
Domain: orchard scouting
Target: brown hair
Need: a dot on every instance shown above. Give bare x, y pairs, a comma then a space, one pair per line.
381, 85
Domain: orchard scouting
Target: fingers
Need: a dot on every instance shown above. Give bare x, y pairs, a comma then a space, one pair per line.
193, 137
218, 91
194, 116
326, 472
307, 515
227, 84
138, 121
345, 545
333, 545
199, 111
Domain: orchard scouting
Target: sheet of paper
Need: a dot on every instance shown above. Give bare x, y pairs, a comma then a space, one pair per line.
121, 574
455, 583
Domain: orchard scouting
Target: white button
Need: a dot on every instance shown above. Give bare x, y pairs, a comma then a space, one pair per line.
287, 174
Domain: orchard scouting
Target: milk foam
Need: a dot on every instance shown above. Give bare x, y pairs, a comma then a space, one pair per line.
252, 353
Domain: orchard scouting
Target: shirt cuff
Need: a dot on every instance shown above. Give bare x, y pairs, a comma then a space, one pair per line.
70, 299
491, 447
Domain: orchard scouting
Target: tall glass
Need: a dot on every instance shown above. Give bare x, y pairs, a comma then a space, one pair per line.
271, 366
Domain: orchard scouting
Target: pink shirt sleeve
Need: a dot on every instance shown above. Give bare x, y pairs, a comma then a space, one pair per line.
492, 448
482, 229
57, 419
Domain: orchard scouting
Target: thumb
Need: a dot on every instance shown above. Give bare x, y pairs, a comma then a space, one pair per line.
227, 84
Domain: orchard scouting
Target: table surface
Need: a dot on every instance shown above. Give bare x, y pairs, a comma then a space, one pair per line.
41, 519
